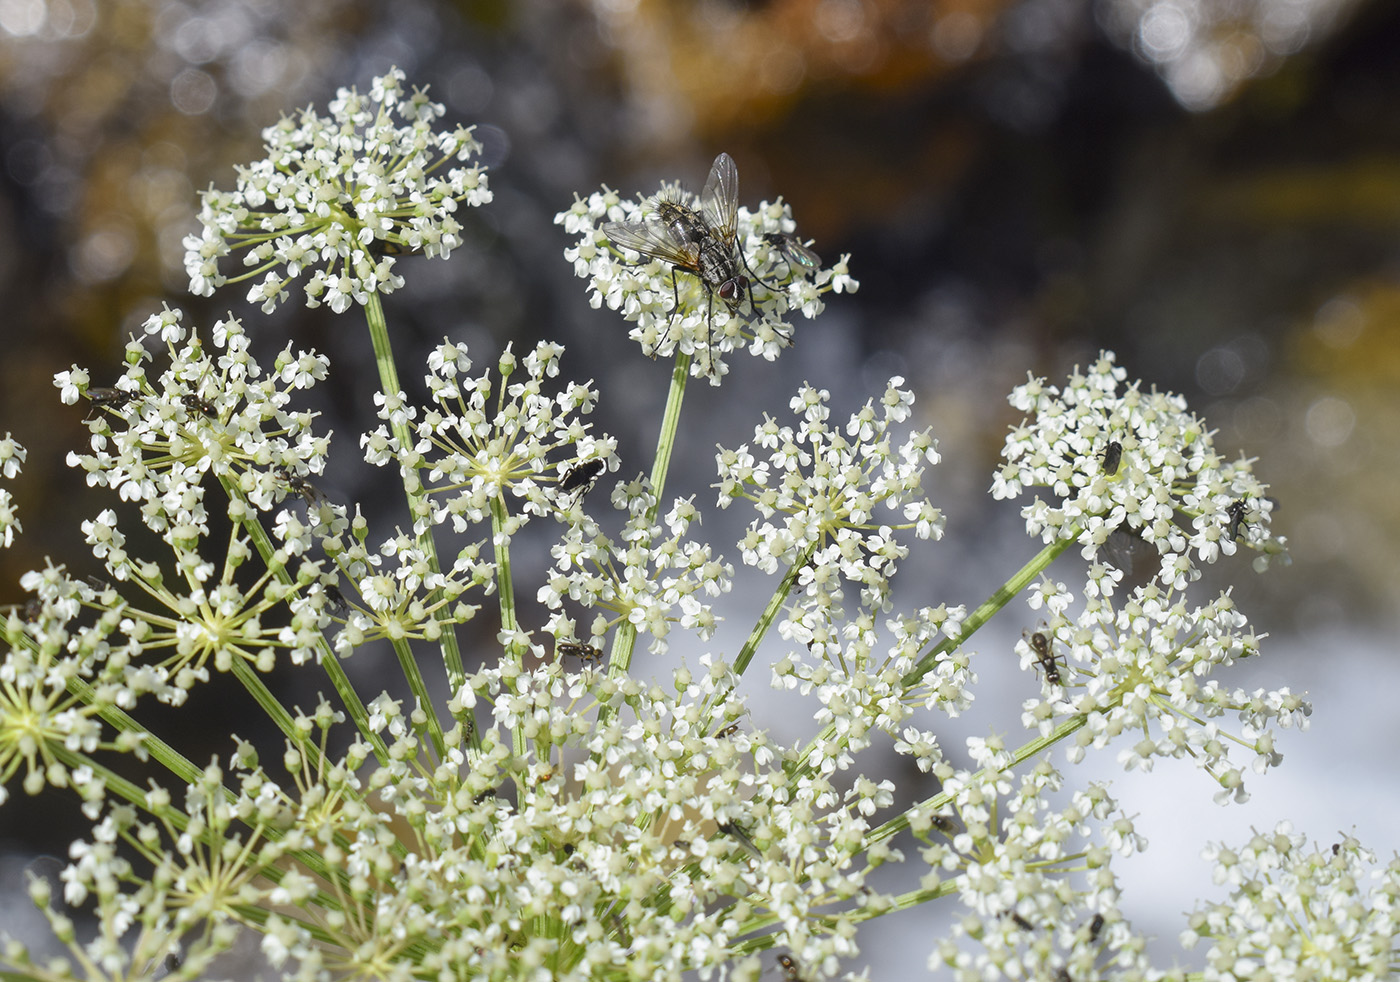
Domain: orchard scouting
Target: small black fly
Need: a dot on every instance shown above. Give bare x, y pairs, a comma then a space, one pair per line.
1112, 457
1040, 644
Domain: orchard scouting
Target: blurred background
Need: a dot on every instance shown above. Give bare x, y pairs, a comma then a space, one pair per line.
1211, 188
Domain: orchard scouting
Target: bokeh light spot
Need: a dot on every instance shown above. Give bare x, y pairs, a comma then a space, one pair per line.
1330, 421
70, 19
104, 254
193, 92
23, 18
1339, 322
839, 21
1165, 31
1219, 371
781, 69
257, 67
28, 161
956, 36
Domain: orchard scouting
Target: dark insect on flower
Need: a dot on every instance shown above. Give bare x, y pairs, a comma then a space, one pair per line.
109, 397
584, 652
1018, 920
1112, 457
732, 830
1235, 513
1040, 644
791, 973
795, 253
1095, 926
728, 731
33, 610
944, 824
704, 244
301, 487
336, 604
582, 475
195, 404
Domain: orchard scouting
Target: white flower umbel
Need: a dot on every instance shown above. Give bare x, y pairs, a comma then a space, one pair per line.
1137, 670
489, 438
1325, 913
1132, 462
650, 577
214, 413
832, 490
674, 311
1041, 899
831, 501
335, 194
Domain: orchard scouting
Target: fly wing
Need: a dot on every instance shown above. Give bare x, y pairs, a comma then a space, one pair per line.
653, 240
793, 250
720, 199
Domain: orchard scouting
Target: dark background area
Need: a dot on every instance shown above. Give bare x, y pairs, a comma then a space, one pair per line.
1020, 183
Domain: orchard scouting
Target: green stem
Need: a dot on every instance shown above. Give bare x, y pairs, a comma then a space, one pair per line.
984, 612
329, 662
1004, 595
620, 659
404, 651
505, 582
770, 613
163, 753
932, 805
666, 439
765, 621
418, 505
505, 586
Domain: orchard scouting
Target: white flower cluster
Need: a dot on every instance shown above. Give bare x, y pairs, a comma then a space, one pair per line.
209, 413
398, 594
655, 844
862, 690
831, 489
1133, 462
12, 455
486, 440
1140, 665
824, 496
672, 308
1041, 900
1324, 914
650, 576
334, 194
